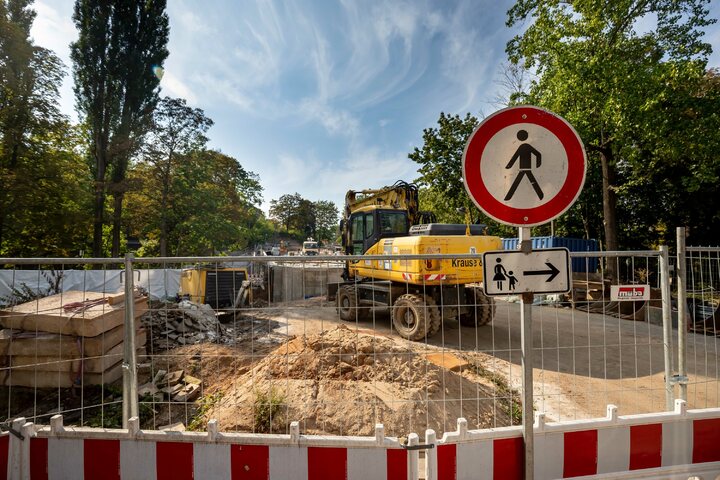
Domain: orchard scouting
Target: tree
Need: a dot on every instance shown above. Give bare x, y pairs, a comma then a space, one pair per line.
307, 219
116, 89
285, 209
326, 220
177, 130
612, 82
39, 215
212, 205
440, 159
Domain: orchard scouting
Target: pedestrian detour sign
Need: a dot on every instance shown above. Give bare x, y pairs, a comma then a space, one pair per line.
513, 272
524, 166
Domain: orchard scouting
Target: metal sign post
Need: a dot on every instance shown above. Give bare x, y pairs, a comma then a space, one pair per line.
526, 344
524, 166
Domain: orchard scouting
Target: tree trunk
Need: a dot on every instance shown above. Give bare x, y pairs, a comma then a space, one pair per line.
607, 163
118, 197
99, 207
163, 219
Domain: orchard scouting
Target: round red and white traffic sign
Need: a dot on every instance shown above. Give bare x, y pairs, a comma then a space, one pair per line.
524, 166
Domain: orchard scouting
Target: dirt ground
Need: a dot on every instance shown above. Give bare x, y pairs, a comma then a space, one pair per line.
336, 377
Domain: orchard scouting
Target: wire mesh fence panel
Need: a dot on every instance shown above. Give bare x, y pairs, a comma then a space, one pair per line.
703, 302
410, 341
62, 341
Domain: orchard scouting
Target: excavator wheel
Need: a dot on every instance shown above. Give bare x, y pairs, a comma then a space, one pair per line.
347, 304
416, 317
482, 308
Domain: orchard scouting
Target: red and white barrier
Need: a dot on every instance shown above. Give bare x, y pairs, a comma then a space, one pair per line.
672, 445
84, 453
667, 445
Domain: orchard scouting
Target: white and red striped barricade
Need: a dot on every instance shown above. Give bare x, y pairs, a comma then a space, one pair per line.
88, 453
659, 445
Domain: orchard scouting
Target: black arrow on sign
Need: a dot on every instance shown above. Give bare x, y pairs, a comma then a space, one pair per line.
553, 272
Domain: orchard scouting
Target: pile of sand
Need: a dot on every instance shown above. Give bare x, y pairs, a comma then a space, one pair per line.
343, 381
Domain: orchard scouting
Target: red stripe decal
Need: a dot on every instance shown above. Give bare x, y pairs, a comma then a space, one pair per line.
250, 462
580, 453
706, 440
327, 463
38, 458
4, 454
174, 460
447, 459
101, 459
645, 446
508, 459
396, 464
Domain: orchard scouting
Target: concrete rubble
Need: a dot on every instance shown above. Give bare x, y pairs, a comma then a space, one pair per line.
183, 323
175, 386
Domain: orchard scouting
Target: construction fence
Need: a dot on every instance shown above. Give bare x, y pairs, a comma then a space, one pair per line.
260, 344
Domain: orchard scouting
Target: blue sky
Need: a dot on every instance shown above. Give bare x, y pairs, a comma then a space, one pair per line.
319, 97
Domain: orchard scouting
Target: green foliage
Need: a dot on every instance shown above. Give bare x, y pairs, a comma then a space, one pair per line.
440, 159
39, 214
177, 131
318, 220
204, 405
268, 410
207, 208
639, 98
327, 220
116, 90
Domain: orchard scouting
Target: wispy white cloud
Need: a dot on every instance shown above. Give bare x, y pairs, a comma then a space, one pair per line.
335, 121
192, 23
175, 87
53, 29
361, 168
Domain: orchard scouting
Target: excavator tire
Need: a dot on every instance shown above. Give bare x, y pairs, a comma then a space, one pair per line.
482, 308
416, 317
347, 304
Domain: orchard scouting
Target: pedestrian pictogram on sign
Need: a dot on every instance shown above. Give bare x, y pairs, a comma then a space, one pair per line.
524, 166
525, 153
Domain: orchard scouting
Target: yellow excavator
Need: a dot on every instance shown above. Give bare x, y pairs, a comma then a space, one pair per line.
419, 293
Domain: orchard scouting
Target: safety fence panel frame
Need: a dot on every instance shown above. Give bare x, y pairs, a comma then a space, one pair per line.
584, 359
699, 355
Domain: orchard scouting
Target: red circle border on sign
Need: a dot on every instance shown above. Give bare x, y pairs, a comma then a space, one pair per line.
524, 217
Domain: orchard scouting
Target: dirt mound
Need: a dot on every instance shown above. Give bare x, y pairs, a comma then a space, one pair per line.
343, 381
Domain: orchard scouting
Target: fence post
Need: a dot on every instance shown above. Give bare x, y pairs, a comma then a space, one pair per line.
431, 459
130, 398
682, 310
667, 325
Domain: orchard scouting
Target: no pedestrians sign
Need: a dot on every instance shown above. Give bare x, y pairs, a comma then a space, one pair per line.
524, 166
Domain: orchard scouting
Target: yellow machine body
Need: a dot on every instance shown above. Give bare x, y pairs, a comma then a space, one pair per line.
429, 271
217, 287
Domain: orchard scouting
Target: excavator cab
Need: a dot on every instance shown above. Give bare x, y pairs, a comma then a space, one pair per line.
368, 227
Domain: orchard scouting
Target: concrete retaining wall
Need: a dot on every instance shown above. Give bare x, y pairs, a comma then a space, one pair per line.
299, 281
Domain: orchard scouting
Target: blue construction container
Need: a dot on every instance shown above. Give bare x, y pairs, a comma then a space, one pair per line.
572, 244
